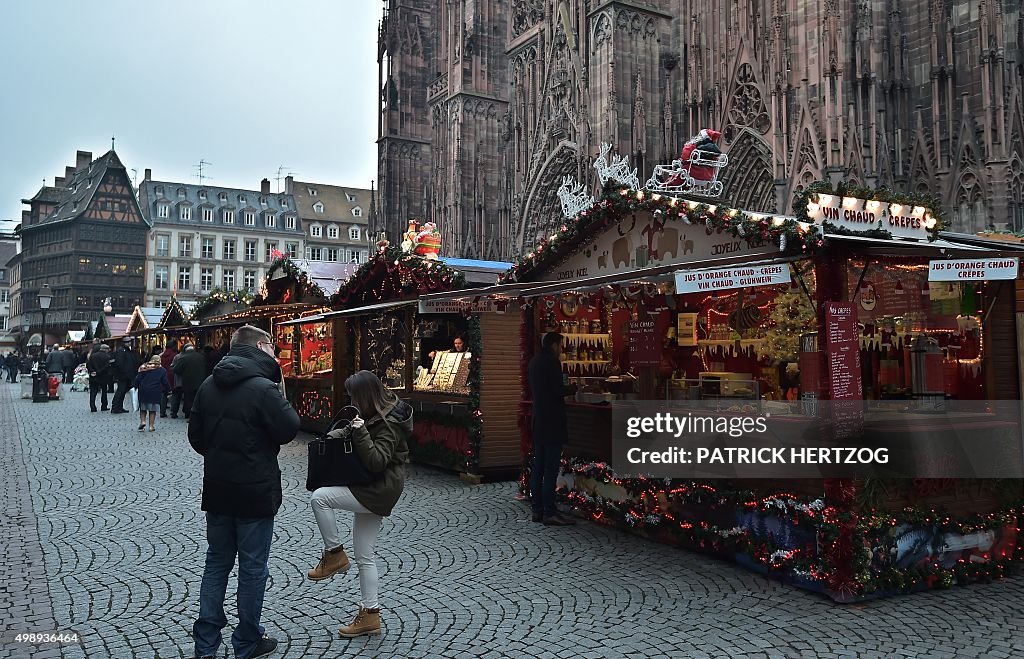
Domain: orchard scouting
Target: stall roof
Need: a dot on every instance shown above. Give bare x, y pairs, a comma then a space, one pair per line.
373, 308
302, 321
478, 272
117, 324
884, 246
259, 312
1006, 242
535, 288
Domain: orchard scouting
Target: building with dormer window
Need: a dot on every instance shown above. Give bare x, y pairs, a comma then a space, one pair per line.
333, 219
85, 237
225, 240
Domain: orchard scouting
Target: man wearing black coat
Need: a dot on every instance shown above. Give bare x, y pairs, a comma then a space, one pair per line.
99, 374
238, 424
550, 429
69, 360
126, 367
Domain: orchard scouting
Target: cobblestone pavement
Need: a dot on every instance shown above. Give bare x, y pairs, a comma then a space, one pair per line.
464, 572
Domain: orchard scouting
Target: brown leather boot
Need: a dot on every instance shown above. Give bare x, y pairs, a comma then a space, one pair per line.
366, 623
332, 562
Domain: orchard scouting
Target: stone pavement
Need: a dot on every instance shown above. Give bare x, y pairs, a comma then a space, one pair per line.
464, 572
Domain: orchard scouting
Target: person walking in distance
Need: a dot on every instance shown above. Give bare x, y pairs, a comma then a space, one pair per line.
54, 363
151, 384
166, 358
69, 361
381, 442
190, 371
126, 367
11, 364
550, 429
99, 374
238, 424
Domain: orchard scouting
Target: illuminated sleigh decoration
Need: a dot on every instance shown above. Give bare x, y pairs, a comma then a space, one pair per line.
697, 176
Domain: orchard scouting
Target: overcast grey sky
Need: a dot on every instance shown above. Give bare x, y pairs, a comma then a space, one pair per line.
247, 85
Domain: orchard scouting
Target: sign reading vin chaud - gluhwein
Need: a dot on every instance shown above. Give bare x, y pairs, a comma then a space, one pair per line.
640, 240
855, 214
724, 278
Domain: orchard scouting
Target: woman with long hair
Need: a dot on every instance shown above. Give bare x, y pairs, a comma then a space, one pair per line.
381, 442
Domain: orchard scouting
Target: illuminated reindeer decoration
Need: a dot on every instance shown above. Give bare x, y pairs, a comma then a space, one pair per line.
573, 197
617, 171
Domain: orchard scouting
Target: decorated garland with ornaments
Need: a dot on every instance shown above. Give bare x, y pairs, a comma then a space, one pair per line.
392, 274
217, 296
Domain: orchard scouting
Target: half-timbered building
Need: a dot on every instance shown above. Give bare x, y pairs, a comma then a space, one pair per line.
85, 236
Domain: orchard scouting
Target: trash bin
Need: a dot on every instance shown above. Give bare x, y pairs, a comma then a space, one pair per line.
40, 386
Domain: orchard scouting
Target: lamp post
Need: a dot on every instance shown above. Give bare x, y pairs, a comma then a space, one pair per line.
45, 298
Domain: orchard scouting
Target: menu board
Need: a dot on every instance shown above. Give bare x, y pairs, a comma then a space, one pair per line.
844, 376
644, 343
843, 351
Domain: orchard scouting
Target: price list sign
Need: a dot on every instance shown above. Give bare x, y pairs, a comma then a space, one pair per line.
644, 343
843, 351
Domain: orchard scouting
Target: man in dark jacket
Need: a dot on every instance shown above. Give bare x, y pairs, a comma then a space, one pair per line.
166, 357
69, 360
11, 364
239, 422
54, 363
550, 429
126, 367
99, 374
189, 371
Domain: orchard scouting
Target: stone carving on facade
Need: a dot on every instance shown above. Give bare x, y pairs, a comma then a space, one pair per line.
602, 30
525, 15
747, 108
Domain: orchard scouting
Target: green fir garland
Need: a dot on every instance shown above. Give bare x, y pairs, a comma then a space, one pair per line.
617, 203
392, 274
309, 287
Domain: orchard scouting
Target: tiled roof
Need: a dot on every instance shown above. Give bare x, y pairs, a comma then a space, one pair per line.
80, 190
337, 207
220, 199
49, 195
7, 251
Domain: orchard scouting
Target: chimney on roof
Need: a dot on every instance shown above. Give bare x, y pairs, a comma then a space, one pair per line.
69, 173
265, 186
149, 175
58, 182
289, 183
82, 159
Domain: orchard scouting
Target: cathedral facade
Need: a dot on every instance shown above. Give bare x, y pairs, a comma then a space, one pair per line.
486, 105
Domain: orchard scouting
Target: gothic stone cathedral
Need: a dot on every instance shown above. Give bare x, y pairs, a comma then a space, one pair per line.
486, 104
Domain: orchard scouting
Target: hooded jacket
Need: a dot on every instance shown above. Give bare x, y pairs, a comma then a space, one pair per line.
239, 422
166, 357
383, 447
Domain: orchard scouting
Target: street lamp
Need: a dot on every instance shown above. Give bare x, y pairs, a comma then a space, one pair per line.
45, 298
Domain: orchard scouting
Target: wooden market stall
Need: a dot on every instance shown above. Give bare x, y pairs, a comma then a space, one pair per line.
669, 299
143, 326
431, 359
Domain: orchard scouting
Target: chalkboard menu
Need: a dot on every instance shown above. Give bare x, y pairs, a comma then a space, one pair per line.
843, 351
644, 343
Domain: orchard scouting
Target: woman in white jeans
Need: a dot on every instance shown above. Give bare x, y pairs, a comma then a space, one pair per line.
381, 442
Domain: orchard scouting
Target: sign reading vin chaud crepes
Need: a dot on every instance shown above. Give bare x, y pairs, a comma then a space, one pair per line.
991, 269
855, 214
724, 278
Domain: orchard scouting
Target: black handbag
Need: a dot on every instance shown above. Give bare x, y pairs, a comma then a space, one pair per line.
333, 461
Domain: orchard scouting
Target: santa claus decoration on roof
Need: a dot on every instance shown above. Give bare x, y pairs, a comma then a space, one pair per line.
696, 170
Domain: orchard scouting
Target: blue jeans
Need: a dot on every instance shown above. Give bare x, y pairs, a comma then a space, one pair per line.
547, 458
249, 538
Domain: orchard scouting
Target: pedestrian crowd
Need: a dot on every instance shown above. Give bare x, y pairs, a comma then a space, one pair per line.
238, 420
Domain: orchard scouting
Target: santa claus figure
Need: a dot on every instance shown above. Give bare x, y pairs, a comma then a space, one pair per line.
428, 241
704, 141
